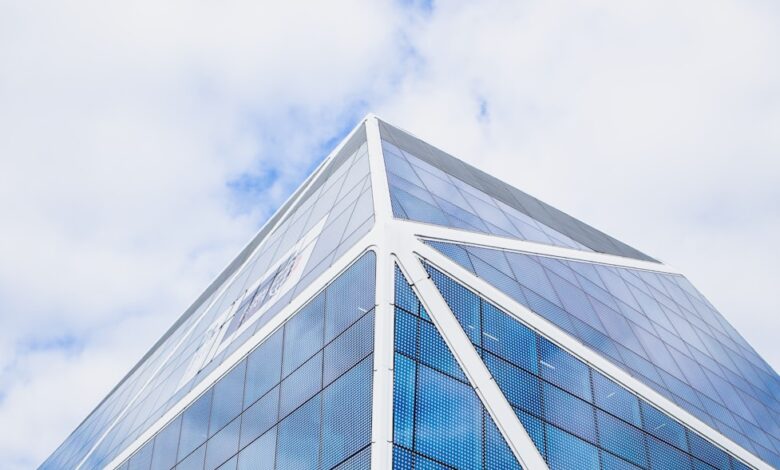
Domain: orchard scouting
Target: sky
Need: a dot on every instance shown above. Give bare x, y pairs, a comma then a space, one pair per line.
144, 143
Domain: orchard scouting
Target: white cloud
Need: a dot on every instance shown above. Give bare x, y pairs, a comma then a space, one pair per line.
124, 123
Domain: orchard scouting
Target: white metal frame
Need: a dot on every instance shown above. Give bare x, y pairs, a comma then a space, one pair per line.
399, 241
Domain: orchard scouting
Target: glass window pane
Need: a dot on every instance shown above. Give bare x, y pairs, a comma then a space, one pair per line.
222, 445
301, 385
349, 297
617, 400
298, 446
260, 454
567, 452
303, 334
662, 426
228, 398
404, 371
165, 444
564, 370
142, 459
449, 420
508, 338
621, 438
350, 347
346, 408
194, 461
195, 424
264, 367
259, 417
569, 412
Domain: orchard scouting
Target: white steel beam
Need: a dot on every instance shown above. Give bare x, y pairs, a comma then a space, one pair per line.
382, 404
441, 233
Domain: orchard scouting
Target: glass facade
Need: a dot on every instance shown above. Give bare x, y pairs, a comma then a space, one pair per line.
655, 326
334, 213
438, 419
423, 193
303, 397
577, 417
300, 399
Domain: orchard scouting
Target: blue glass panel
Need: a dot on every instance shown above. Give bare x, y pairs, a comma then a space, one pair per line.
497, 452
231, 464
567, 452
349, 348
564, 370
194, 461
260, 454
142, 459
406, 333
404, 296
303, 334
264, 367
448, 420
346, 408
402, 458
534, 427
298, 445
300, 385
569, 412
508, 338
195, 424
617, 400
259, 417
621, 438
165, 445
222, 445
350, 296
663, 456
228, 398
522, 389
662, 426
612, 462
404, 373
707, 452
436, 353
359, 461
463, 303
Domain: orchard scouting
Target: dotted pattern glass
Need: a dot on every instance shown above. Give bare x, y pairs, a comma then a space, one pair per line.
343, 200
421, 192
438, 419
258, 417
657, 327
577, 417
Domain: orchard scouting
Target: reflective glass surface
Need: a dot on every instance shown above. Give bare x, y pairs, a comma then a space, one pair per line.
330, 217
424, 193
438, 419
260, 415
657, 327
577, 417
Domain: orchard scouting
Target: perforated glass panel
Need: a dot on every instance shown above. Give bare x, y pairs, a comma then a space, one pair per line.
655, 326
260, 415
577, 417
439, 421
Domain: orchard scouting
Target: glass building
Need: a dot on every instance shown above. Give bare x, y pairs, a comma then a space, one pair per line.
405, 310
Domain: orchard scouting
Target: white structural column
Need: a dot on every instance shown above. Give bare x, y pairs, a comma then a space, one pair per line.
382, 406
494, 401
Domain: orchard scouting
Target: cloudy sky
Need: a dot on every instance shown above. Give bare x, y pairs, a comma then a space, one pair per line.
143, 143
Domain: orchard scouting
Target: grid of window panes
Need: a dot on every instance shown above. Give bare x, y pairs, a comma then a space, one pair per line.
423, 193
656, 326
344, 201
577, 417
300, 400
439, 421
